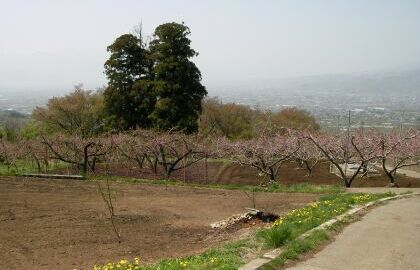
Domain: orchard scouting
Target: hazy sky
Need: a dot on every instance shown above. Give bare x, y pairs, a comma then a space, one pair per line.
56, 44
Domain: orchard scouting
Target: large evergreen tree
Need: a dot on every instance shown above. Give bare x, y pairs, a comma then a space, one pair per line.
128, 99
156, 86
176, 79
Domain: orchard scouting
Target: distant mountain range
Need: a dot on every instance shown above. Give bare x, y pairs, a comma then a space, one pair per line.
402, 83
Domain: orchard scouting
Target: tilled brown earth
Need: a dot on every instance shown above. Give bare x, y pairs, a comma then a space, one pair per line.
63, 224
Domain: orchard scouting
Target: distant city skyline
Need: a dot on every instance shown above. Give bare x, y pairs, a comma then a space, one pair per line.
50, 45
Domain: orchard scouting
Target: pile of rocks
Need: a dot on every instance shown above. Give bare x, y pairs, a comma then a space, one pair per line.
243, 218
233, 220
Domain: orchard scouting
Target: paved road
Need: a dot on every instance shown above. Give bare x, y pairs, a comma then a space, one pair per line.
387, 238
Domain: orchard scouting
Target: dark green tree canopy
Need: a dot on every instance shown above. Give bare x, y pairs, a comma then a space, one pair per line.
171, 39
156, 86
177, 79
128, 61
128, 99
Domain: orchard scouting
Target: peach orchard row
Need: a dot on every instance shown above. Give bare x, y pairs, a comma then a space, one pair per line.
169, 152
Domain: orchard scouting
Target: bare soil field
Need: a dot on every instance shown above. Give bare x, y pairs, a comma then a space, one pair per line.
63, 224
223, 173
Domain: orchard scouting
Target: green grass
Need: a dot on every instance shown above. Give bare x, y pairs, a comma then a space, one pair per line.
22, 167
296, 247
294, 188
283, 233
279, 236
301, 220
228, 257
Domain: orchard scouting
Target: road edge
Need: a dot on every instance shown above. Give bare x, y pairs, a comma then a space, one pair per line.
272, 254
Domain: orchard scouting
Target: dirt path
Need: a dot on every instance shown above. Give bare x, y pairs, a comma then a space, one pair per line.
386, 238
63, 224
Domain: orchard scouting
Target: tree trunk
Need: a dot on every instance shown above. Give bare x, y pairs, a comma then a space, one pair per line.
390, 174
206, 170
168, 172
272, 176
308, 168
38, 164
93, 165
364, 170
85, 163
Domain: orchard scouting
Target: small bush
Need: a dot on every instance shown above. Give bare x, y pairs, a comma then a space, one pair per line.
277, 236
